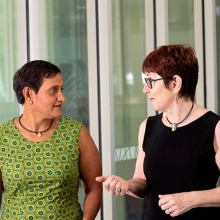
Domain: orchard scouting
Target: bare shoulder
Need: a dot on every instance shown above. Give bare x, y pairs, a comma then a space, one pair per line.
217, 137
143, 125
85, 140
84, 132
199, 111
217, 131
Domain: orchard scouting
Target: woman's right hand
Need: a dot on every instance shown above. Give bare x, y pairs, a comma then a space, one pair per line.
114, 184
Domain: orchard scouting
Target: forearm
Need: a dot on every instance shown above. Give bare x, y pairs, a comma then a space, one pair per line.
137, 188
206, 198
92, 203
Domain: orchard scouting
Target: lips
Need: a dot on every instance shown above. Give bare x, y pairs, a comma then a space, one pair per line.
59, 106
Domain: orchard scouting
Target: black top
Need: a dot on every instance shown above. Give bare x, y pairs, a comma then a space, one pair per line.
179, 161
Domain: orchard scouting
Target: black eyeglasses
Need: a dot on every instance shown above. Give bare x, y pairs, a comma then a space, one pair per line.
149, 82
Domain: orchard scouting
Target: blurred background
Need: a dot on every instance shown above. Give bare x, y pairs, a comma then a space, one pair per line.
100, 45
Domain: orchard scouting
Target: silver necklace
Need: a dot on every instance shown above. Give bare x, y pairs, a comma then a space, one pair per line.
39, 133
174, 125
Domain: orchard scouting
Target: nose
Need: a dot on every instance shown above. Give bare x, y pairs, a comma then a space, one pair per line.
146, 89
61, 97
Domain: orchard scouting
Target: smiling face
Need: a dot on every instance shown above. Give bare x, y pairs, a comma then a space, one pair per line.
159, 95
49, 99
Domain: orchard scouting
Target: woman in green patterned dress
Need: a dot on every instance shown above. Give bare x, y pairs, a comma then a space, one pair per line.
43, 154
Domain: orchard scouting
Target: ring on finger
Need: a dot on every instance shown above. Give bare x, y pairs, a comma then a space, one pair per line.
117, 190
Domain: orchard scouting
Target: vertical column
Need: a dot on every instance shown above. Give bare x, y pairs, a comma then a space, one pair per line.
211, 67
34, 30
92, 74
149, 30
9, 46
21, 34
162, 22
106, 98
21, 37
198, 28
37, 28
92, 70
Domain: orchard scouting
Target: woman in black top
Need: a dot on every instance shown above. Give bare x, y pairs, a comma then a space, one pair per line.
176, 172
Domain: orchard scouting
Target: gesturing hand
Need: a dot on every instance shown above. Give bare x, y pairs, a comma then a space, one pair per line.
176, 204
114, 184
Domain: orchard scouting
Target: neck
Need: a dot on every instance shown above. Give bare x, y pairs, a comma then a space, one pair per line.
179, 111
35, 122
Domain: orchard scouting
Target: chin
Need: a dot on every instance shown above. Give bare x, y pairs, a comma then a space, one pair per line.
159, 108
156, 108
57, 115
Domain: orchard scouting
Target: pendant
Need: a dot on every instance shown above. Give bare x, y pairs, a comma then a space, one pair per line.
39, 134
174, 126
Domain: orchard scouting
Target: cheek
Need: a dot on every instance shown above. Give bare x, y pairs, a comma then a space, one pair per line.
43, 103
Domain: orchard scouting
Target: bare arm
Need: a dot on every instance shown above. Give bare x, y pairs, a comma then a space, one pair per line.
138, 185
135, 187
90, 167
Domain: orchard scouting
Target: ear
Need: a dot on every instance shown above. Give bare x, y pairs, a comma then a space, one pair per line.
176, 84
28, 94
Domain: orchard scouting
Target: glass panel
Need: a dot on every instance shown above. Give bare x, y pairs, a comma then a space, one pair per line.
217, 2
8, 59
63, 42
130, 104
181, 22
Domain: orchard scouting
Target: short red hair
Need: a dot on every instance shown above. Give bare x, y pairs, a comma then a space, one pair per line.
170, 60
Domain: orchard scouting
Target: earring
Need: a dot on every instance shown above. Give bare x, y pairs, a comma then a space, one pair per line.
31, 102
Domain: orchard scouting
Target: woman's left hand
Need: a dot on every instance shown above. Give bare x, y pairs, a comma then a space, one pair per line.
176, 204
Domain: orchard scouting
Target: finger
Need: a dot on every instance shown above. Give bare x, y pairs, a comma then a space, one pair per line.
163, 200
166, 206
108, 181
118, 185
161, 196
175, 213
167, 212
101, 179
113, 185
124, 188
123, 193
172, 209
118, 188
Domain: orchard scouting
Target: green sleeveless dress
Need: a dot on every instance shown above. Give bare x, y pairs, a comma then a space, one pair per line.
41, 179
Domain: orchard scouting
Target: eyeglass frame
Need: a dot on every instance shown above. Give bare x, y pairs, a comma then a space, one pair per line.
149, 81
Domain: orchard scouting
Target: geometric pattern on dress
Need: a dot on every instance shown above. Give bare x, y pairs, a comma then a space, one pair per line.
41, 179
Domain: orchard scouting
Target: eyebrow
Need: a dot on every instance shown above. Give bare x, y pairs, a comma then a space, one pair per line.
56, 86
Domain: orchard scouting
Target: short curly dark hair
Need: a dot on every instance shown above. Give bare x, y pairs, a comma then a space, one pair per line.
170, 60
31, 75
